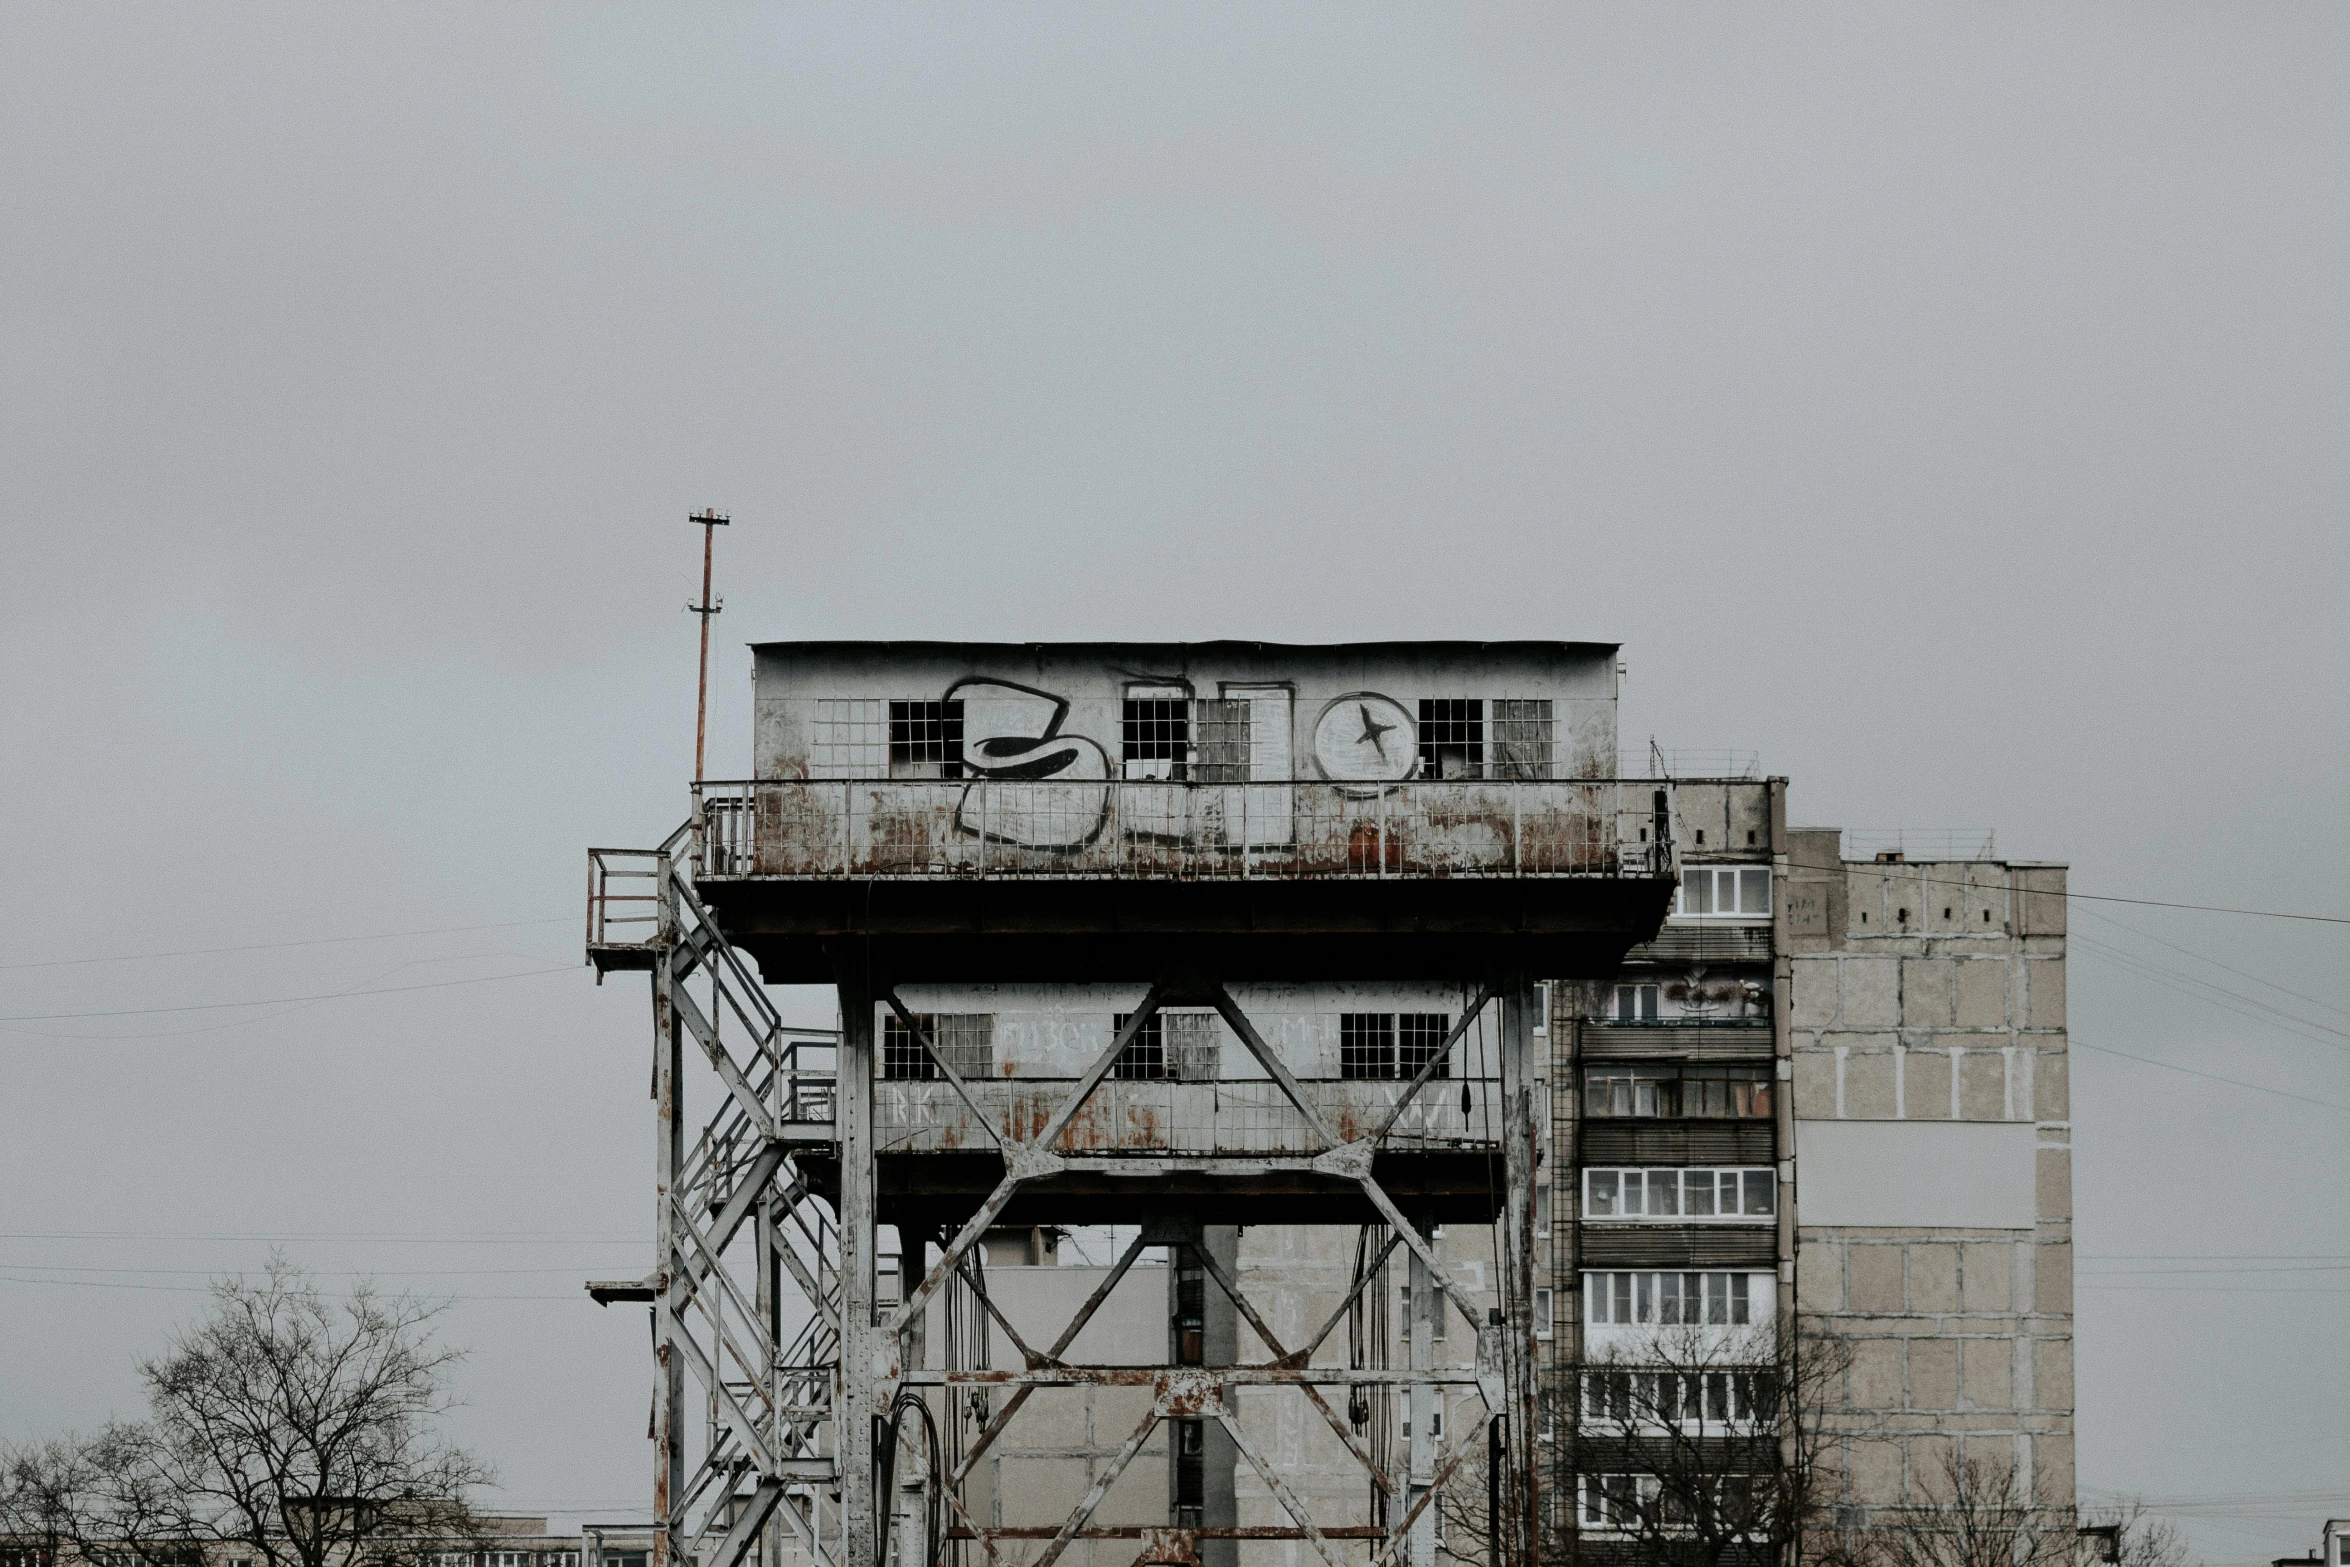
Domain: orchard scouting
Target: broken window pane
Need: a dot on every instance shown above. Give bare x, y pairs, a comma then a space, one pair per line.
1452, 737
1522, 738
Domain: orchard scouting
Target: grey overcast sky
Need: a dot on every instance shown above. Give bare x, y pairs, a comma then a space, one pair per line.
1947, 402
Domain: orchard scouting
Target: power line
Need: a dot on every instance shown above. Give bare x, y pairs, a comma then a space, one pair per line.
2215, 963
271, 946
2188, 984
448, 1238
2235, 1082
273, 1001
1843, 865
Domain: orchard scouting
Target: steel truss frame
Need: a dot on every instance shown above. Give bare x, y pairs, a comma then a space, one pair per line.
796, 1392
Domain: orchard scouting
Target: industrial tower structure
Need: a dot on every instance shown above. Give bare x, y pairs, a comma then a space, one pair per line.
1092, 913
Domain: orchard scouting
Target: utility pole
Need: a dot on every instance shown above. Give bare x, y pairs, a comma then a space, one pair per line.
710, 520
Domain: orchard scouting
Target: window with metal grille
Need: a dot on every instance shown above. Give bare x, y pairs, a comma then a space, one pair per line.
1223, 753
1366, 1044
926, 739
1195, 1046
1145, 1055
1452, 737
1524, 738
966, 1039
849, 739
1419, 1039
1157, 732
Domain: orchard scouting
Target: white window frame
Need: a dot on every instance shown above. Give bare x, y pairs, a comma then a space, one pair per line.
1744, 1296
1646, 1004
1737, 1386
1717, 879
1545, 1312
1683, 1180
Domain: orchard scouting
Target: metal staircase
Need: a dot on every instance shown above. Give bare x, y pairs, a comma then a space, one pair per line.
745, 1293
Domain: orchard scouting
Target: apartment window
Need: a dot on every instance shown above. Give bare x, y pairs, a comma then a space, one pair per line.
1636, 1003
1191, 1306
1736, 1194
1145, 1055
1710, 1093
1191, 1472
850, 738
1668, 1299
1631, 1399
1157, 728
1523, 738
1452, 737
1542, 1210
1545, 1312
1725, 892
966, 1039
1614, 1502
1194, 1046
926, 739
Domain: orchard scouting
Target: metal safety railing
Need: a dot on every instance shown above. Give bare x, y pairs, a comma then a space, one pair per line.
1232, 1117
855, 827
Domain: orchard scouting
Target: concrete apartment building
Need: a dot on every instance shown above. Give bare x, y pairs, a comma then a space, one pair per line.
1837, 1088
1354, 983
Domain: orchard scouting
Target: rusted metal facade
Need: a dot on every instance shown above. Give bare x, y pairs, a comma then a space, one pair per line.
1159, 838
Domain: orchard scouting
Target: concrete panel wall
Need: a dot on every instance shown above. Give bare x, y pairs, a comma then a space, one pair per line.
1915, 1174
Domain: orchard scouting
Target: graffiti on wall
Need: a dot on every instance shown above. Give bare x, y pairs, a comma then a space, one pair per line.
1012, 734
1015, 734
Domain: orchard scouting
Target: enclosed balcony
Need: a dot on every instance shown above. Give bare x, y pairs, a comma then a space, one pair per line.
1019, 879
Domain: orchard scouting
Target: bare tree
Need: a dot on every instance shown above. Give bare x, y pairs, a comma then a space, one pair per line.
2139, 1538
1979, 1511
90, 1493
300, 1429
1700, 1447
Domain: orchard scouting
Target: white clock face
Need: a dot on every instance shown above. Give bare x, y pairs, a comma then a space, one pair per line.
1366, 738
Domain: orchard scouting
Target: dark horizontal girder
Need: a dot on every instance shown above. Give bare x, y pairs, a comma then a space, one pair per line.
1076, 930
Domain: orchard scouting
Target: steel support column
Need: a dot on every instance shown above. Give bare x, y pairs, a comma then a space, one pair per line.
1520, 998
669, 1472
867, 1360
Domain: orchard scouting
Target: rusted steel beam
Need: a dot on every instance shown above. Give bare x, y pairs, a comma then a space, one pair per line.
1346, 1301
978, 1285
1411, 1236
1274, 1066
1402, 1527
1147, 1376
1138, 1531
889, 995
1093, 1303
1024, 1158
1291, 1360
1437, 1058
1101, 1487
1290, 1503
